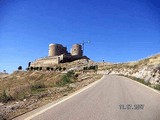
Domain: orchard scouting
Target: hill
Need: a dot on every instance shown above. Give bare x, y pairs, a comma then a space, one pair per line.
3, 74
147, 69
23, 91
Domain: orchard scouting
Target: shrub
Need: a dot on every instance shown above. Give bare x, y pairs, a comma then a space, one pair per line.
91, 68
56, 68
38, 85
36, 68
31, 68
70, 74
67, 78
76, 75
4, 97
60, 69
143, 81
64, 68
85, 68
27, 69
52, 69
20, 68
157, 87
96, 67
48, 68
40, 68
20, 92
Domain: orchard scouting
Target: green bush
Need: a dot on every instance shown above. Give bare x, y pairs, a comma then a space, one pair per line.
27, 69
38, 85
31, 68
20, 68
60, 69
138, 79
76, 75
64, 68
85, 68
48, 68
70, 74
95, 67
143, 81
36, 68
157, 87
67, 78
4, 97
40, 68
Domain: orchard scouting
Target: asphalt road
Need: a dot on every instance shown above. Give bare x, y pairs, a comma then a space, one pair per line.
113, 98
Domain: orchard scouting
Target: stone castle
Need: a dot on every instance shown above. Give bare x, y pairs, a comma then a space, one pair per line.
59, 54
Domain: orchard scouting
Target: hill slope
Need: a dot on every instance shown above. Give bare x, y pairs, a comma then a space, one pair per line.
147, 69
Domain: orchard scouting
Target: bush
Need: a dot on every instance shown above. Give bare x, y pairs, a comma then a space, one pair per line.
76, 75
143, 81
20, 68
138, 79
52, 69
38, 85
67, 78
20, 92
157, 87
48, 68
64, 68
4, 97
31, 68
60, 69
91, 68
85, 68
40, 68
27, 69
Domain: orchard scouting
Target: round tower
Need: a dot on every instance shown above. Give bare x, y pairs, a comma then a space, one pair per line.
76, 50
52, 50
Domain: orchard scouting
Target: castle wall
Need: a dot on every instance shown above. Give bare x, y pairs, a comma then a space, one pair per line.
45, 62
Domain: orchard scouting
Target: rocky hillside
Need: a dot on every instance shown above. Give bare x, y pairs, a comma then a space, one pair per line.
147, 69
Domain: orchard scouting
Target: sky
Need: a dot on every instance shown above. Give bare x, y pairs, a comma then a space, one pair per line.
118, 30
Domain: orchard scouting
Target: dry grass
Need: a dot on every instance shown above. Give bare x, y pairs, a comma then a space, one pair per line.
20, 85
153, 60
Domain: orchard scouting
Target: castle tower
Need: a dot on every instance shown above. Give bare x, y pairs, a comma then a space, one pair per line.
56, 49
52, 50
76, 50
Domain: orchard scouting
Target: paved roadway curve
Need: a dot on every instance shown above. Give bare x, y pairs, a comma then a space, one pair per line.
101, 102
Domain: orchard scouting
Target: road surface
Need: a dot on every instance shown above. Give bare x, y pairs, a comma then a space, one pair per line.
112, 98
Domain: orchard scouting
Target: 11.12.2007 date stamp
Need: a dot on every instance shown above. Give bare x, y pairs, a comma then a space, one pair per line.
131, 106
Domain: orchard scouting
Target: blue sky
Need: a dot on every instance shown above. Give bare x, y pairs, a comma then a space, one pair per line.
119, 30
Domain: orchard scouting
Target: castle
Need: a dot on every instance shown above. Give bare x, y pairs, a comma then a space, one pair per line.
59, 54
